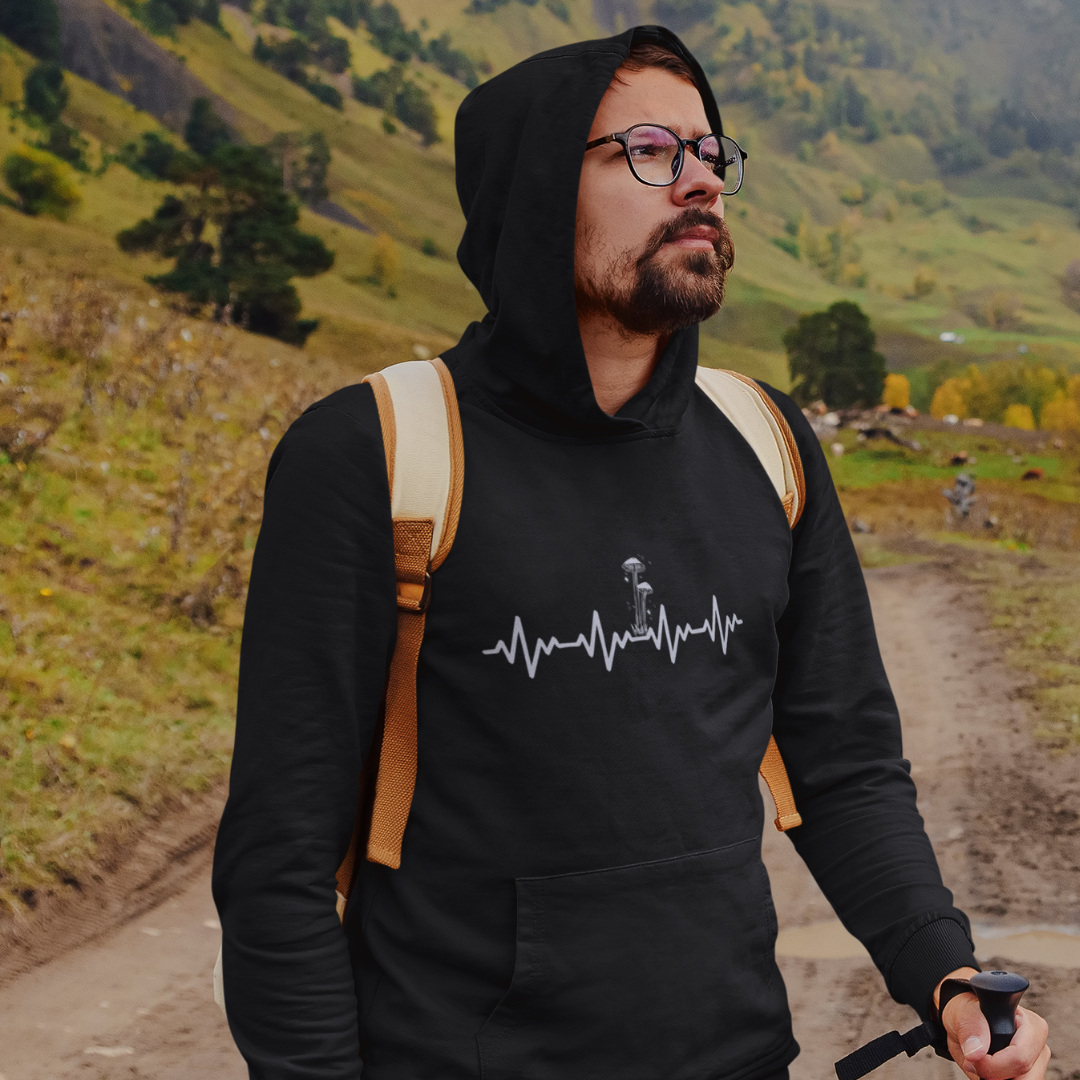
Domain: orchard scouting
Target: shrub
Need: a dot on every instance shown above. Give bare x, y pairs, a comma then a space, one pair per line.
960, 154
385, 262
42, 182
948, 400
407, 100
1019, 416
1061, 414
924, 283
327, 94
833, 357
989, 392
44, 92
897, 393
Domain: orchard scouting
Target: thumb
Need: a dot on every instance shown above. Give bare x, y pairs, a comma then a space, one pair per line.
967, 1027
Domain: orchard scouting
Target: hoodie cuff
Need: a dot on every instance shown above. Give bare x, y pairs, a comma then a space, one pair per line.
930, 954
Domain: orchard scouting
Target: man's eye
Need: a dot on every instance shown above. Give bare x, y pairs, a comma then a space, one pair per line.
650, 151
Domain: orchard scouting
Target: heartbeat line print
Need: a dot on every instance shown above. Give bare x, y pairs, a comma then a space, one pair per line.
715, 626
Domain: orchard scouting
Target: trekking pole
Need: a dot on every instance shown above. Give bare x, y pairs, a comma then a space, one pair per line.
999, 993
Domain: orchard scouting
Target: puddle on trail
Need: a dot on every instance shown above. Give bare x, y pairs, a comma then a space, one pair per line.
1054, 946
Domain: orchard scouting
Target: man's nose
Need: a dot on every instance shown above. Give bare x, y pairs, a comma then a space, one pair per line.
697, 185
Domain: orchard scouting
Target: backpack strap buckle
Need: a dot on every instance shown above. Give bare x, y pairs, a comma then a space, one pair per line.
412, 596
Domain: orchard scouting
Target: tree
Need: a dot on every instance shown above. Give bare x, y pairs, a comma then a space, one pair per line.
304, 161
205, 131
45, 96
44, 92
42, 182
34, 25
833, 357
407, 100
235, 243
897, 393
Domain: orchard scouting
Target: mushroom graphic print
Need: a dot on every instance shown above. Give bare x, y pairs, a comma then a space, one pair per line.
716, 626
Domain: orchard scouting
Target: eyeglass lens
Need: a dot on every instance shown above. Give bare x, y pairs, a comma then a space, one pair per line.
655, 157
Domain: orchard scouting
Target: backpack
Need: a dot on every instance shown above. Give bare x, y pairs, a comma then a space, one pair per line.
425, 464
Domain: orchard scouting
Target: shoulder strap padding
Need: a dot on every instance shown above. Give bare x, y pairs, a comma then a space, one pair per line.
755, 416
424, 452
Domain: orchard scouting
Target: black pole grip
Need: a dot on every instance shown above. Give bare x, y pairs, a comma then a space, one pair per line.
999, 993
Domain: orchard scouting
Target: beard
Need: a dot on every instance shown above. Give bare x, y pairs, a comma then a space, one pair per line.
662, 296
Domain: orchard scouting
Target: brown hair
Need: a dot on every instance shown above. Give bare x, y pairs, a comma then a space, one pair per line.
647, 55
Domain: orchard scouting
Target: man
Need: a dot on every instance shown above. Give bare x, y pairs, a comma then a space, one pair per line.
581, 894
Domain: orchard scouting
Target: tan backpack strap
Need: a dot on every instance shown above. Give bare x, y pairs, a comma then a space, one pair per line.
756, 417
425, 464
775, 774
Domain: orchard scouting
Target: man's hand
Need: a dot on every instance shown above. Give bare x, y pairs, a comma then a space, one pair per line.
1025, 1058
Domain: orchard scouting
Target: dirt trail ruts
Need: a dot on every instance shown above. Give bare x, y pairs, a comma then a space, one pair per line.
1002, 812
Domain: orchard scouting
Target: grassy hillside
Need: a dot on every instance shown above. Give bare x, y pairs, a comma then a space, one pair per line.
130, 502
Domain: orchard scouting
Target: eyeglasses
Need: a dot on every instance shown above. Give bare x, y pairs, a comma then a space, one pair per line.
656, 154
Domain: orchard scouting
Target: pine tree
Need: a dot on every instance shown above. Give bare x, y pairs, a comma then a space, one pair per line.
235, 243
833, 357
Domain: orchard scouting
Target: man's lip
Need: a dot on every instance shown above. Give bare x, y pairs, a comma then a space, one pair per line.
698, 235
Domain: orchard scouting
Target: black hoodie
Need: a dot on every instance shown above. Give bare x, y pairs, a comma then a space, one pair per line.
581, 895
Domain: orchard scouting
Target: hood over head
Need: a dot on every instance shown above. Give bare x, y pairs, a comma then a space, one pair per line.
520, 139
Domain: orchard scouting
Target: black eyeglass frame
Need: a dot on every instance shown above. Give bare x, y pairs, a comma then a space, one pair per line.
622, 137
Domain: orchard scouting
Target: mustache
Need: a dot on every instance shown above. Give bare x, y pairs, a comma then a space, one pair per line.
691, 217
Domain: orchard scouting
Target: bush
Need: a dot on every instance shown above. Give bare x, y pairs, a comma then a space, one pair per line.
989, 392
66, 143
407, 100
833, 357
948, 400
414, 108
44, 92
327, 94
924, 283
385, 262
897, 393
1061, 414
1019, 416
960, 154
42, 182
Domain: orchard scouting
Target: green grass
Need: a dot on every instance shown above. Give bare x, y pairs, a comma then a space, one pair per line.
125, 544
867, 465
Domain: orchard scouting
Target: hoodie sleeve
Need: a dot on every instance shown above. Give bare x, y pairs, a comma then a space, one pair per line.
838, 729
318, 634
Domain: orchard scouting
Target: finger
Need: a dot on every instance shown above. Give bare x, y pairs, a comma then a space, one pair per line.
967, 1031
1038, 1070
1020, 1057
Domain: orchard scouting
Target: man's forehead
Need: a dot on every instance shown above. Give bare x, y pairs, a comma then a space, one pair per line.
652, 96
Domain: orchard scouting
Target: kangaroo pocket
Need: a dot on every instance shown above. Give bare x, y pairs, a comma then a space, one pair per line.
657, 971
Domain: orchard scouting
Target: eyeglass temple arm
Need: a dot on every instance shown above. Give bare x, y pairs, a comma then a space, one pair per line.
600, 141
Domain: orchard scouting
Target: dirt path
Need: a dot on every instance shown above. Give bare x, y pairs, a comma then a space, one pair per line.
1003, 815
1004, 818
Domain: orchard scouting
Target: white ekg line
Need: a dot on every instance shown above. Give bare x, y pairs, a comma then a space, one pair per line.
713, 626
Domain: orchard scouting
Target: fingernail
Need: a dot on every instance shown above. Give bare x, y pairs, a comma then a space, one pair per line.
972, 1045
